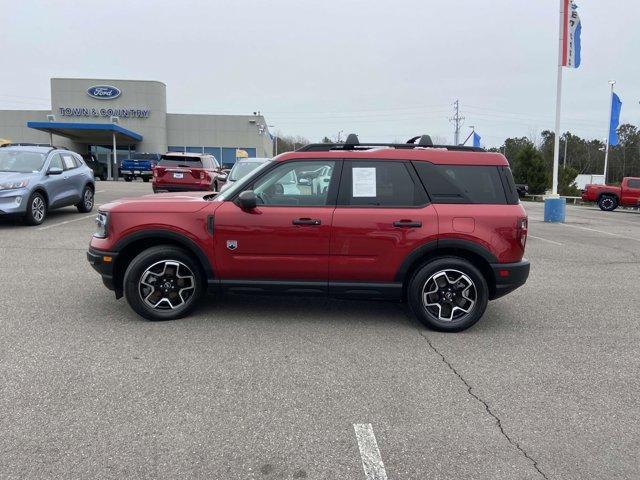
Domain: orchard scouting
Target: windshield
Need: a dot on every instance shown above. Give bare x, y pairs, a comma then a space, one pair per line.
242, 169
19, 161
180, 161
239, 185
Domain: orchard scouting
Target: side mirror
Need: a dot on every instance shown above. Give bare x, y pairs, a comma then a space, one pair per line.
54, 171
247, 200
223, 176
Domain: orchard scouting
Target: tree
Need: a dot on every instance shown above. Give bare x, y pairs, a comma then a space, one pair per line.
531, 169
567, 182
290, 143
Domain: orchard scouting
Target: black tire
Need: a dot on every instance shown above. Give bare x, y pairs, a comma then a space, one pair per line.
128, 179
215, 187
36, 209
145, 179
608, 203
459, 294
153, 259
103, 177
86, 204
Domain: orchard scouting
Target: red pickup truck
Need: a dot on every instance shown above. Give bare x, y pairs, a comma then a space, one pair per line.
609, 197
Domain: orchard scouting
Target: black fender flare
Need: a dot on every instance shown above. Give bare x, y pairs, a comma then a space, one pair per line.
182, 240
441, 244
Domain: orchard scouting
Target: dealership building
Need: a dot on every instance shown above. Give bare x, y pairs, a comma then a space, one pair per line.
92, 116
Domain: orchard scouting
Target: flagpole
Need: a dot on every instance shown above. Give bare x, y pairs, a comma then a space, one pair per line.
556, 140
606, 151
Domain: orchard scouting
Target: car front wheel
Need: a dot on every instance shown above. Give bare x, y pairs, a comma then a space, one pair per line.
36, 209
448, 294
163, 283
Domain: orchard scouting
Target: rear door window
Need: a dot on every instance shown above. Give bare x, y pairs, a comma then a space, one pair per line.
373, 183
633, 183
180, 161
462, 183
69, 161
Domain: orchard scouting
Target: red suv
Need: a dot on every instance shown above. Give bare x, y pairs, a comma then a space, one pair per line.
439, 227
181, 172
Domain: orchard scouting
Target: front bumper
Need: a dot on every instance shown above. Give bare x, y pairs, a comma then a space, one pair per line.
102, 262
14, 202
509, 276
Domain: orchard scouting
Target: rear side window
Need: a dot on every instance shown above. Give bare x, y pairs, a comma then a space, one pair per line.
633, 183
380, 184
69, 161
180, 161
464, 183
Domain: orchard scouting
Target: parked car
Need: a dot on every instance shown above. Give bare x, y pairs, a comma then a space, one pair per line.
35, 180
609, 197
390, 223
139, 165
99, 169
242, 168
523, 190
182, 172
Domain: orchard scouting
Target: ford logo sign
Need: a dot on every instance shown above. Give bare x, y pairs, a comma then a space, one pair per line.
103, 92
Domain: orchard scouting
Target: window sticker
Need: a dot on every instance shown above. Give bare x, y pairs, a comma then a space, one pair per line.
364, 182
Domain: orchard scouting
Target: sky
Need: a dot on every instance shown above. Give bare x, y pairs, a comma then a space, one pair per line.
384, 70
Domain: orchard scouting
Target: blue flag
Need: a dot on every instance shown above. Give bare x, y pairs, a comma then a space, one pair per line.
476, 139
616, 106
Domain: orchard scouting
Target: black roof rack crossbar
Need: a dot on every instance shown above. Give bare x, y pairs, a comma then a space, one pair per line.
24, 144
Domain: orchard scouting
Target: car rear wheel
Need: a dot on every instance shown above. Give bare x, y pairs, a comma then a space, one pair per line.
36, 209
608, 203
145, 179
128, 179
163, 283
86, 204
448, 294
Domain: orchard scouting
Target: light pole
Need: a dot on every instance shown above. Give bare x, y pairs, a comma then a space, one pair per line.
606, 151
275, 137
51, 118
115, 120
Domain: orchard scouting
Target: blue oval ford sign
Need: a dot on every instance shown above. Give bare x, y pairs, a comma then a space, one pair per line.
103, 92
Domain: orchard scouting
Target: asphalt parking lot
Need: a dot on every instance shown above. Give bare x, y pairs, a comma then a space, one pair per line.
545, 386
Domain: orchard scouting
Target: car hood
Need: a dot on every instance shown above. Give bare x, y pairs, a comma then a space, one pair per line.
186, 202
17, 176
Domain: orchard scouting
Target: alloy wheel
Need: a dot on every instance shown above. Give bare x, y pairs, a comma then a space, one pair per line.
449, 295
38, 208
88, 199
167, 285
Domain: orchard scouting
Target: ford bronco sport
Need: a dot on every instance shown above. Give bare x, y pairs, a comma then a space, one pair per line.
439, 227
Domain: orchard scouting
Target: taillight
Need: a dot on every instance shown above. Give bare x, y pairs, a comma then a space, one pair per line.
155, 172
523, 227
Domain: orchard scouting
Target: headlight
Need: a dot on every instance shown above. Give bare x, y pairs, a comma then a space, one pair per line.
102, 222
14, 185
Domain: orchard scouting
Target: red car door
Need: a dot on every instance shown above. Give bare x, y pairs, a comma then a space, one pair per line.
631, 192
381, 217
285, 239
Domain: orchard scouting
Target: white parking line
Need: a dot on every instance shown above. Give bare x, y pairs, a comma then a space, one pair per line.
100, 191
93, 215
600, 231
545, 240
371, 460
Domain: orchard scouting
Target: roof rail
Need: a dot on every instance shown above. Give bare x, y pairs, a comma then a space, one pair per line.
29, 145
352, 143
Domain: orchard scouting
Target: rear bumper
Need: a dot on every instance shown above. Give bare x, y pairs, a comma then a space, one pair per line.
98, 260
509, 276
182, 188
145, 173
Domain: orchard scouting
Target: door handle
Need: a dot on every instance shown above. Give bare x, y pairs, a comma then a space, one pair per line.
407, 224
306, 221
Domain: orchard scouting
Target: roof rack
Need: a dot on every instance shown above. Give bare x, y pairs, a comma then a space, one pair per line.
353, 143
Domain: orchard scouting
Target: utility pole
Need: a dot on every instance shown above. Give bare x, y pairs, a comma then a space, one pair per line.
457, 121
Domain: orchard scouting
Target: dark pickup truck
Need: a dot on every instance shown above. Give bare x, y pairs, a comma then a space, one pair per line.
139, 165
609, 197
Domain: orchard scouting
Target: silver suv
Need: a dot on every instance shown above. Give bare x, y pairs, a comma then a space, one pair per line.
36, 179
